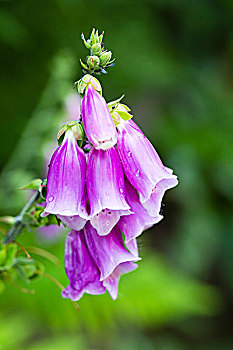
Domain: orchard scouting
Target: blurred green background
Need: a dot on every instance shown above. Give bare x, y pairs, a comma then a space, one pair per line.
174, 65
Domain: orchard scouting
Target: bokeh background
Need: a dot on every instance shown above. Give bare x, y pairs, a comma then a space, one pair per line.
174, 65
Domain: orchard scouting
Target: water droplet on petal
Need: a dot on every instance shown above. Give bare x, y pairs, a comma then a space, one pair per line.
51, 199
121, 190
137, 173
129, 154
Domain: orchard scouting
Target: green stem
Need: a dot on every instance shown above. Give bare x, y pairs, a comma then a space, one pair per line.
18, 226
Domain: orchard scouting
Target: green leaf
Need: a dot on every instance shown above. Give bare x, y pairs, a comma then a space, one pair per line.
8, 254
33, 185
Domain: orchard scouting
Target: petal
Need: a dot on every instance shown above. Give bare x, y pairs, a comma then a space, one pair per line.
104, 221
107, 251
111, 282
133, 225
80, 268
105, 189
74, 222
97, 121
66, 180
141, 163
153, 204
132, 246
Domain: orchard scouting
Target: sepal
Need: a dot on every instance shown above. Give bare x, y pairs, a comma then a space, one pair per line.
119, 111
87, 79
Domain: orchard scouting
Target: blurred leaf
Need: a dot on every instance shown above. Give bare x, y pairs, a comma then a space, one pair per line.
7, 256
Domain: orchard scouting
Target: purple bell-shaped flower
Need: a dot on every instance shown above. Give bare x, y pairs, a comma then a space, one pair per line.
66, 184
143, 167
105, 189
97, 121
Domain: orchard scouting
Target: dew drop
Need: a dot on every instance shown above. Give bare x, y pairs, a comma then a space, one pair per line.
121, 190
51, 199
129, 154
137, 173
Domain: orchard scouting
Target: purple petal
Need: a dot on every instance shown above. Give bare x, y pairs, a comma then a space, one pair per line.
153, 204
133, 225
74, 222
105, 189
97, 121
132, 246
107, 251
141, 163
81, 270
66, 180
111, 282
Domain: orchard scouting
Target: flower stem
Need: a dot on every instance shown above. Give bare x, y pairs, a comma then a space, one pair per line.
18, 226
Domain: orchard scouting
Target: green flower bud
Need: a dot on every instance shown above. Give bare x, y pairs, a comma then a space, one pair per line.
96, 49
86, 43
78, 131
105, 58
88, 79
93, 61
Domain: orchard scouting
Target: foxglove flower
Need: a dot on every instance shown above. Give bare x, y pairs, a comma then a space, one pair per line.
134, 224
80, 268
97, 121
105, 189
107, 251
85, 255
143, 167
66, 184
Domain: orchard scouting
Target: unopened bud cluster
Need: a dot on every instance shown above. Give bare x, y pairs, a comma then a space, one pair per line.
99, 58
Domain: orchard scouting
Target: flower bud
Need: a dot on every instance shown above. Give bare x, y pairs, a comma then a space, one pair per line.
105, 58
78, 131
93, 61
97, 120
96, 49
84, 81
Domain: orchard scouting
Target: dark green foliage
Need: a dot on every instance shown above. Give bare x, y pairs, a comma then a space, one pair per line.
174, 65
